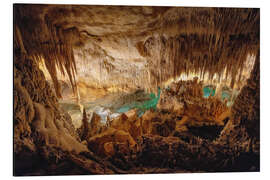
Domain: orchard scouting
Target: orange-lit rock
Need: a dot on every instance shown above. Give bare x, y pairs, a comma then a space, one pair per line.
105, 143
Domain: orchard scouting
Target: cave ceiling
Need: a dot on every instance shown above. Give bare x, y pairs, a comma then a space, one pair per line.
136, 46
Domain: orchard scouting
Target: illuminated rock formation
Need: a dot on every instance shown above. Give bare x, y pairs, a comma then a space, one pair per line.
76, 56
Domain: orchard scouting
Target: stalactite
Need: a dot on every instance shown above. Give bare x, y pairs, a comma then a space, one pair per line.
189, 41
182, 53
55, 48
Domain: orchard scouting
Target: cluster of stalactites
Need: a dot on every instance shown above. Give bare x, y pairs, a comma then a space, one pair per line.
45, 41
218, 58
220, 22
214, 43
204, 41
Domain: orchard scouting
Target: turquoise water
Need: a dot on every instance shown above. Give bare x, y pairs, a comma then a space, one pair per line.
208, 91
142, 106
124, 109
225, 95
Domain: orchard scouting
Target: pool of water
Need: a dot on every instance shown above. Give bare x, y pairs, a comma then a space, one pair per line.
113, 105
142, 106
208, 91
225, 95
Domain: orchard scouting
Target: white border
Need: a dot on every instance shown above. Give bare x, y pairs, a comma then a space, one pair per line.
7, 79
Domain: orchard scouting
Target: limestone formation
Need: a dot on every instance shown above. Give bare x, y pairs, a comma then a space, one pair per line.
71, 59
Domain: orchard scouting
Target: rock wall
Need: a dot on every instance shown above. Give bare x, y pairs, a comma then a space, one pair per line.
45, 141
246, 109
242, 132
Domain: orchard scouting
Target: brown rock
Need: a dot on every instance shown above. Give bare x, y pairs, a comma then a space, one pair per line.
104, 143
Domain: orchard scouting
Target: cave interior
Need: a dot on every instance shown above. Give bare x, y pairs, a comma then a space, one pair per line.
135, 89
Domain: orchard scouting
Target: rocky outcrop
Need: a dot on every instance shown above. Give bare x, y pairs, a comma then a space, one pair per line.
45, 140
244, 127
185, 98
246, 109
112, 141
